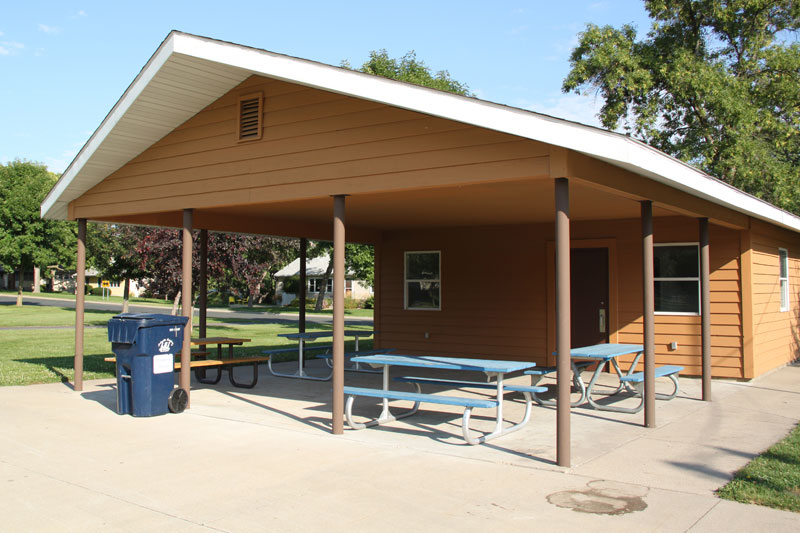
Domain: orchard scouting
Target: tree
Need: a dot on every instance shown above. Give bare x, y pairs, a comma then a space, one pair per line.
410, 70
714, 83
236, 263
26, 240
112, 252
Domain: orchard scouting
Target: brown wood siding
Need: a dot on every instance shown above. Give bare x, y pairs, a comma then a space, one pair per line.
494, 293
492, 300
311, 137
775, 332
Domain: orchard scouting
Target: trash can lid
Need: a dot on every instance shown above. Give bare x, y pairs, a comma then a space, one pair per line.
125, 326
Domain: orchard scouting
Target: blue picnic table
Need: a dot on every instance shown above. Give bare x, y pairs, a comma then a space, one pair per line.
302, 338
490, 367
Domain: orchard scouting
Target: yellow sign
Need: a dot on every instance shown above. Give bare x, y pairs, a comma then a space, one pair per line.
106, 283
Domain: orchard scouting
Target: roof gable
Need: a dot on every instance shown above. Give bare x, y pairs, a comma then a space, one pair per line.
187, 73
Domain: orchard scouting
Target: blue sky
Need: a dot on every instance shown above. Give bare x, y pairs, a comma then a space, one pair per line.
63, 65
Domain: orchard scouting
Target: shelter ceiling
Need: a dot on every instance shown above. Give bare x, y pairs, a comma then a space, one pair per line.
516, 202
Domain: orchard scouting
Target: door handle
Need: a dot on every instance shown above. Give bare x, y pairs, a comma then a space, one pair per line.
602, 321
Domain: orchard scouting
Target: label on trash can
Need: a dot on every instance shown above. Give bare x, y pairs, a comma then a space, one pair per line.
162, 363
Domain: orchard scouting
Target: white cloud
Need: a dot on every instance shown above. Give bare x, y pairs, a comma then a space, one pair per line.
79, 14
10, 48
575, 107
1, 34
50, 30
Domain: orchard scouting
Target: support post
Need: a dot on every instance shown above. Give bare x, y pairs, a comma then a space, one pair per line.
338, 314
80, 292
376, 295
301, 325
705, 308
184, 381
648, 315
203, 296
563, 326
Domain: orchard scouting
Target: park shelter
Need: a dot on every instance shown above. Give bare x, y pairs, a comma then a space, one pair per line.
516, 207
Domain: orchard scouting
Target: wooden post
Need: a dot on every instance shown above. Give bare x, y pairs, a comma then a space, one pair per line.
563, 326
338, 314
376, 296
705, 308
648, 315
184, 380
203, 296
80, 297
301, 325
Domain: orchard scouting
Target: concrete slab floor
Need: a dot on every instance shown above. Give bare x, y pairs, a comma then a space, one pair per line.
264, 460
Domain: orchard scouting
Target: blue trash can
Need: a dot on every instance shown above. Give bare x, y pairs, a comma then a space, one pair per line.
145, 346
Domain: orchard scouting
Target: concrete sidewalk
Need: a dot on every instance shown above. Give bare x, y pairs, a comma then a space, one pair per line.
264, 460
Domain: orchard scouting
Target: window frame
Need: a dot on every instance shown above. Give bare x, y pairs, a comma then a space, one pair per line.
406, 281
696, 244
317, 283
783, 264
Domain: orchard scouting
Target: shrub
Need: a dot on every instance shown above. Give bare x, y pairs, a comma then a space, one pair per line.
291, 285
97, 291
369, 303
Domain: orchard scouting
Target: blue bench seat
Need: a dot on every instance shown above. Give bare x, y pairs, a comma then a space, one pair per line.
417, 397
306, 348
470, 384
661, 371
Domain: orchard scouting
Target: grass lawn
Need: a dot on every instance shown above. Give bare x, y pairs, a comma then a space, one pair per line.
274, 309
31, 355
89, 298
771, 479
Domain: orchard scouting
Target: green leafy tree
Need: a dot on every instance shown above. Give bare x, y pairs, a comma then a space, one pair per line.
715, 83
112, 251
27, 240
409, 69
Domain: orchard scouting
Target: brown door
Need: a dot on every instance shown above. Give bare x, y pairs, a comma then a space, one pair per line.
589, 296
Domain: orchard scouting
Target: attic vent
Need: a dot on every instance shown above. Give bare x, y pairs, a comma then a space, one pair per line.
250, 113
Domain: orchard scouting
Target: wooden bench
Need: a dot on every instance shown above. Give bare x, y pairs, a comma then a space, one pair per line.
467, 403
636, 379
219, 364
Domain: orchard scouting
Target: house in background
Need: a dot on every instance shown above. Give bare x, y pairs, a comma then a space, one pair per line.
315, 272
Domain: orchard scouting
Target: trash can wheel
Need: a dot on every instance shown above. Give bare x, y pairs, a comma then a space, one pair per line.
178, 400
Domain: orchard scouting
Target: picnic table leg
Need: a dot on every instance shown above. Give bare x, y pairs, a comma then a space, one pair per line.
357, 367
385, 413
300, 372
498, 428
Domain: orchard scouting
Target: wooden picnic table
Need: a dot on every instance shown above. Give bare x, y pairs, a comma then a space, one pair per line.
219, 341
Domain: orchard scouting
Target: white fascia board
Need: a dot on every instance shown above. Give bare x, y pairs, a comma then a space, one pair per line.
117, 112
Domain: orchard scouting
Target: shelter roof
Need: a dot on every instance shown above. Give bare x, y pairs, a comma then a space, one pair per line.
189, 72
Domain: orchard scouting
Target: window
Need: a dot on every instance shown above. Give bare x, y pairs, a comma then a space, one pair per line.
422, 280
314, 285
784, 277
676, 268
